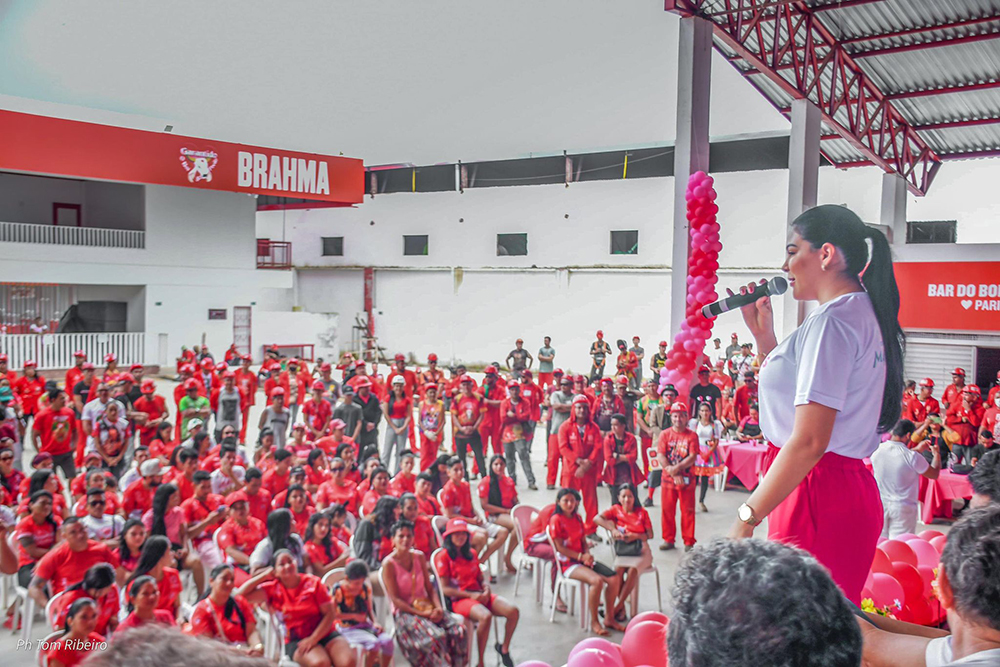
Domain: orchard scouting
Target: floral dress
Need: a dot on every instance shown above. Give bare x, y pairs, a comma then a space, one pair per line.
707, 463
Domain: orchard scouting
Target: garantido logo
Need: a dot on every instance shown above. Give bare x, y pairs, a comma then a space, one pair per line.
288, 174
984, 297
199, 164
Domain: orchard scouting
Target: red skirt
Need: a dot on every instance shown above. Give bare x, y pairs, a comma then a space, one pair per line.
835, 514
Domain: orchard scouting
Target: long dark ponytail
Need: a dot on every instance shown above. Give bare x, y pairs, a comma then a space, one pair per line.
842, 228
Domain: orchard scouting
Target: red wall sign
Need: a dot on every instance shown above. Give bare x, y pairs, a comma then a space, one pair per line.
44, 145
960, 296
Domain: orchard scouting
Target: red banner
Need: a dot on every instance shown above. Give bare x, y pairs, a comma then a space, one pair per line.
43, 145
958, 296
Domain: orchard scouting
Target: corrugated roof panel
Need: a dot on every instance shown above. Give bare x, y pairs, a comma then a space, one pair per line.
931, 68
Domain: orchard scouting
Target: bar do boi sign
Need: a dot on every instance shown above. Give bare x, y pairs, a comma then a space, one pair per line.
959, 296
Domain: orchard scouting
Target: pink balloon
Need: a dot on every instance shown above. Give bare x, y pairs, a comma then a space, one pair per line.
898, 551
905, 537
645, 644
881, 539
930, 534
939, 542
642, 617
925, 551
592, 657
881, 563
927, 575
534, 663
886, 591
598, 644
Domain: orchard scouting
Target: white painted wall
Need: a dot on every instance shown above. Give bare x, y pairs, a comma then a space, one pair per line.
29, 199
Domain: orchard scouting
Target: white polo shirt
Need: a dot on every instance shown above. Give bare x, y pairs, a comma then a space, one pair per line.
835, 358
897, 472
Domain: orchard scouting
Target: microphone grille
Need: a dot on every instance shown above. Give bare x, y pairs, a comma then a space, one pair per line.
778, 285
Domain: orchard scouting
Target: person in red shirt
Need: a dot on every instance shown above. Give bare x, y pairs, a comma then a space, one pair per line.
432, 375
461, 580
297, 502
626, 362
720, 378
745, 395
36, 535
68, 562
493, 392
296, 383
497, 496
317, 413
534, 394
953, 392
582, 453
403, 481
965, 417
515, 415
276, 479
138, 498
422, 489
431, 424
581, 387
144, 605
75, 374
378, 486
468, 411
918, 408
621, 455
307, 610
628, 522
398, 412
154, 411
991, 416
240, 533
338, 489
156, 560
325, 552
456, 503
53, 432
246, 380
226, 617
98, 584
29, 388
566, 530
79, 638
994, 391
424, 539
203, 514
676, 449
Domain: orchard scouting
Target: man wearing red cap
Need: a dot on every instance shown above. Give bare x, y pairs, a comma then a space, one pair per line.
232, 356
917, 408
582, 451
493, 393
515, 413
246, 380
317, 412
546, 359
991, 416
953, 392
153, 408
432, 375
626, 363
74, 374
560, 404
521, 357
640, 354
531, 393
207, 375
677, 448
53, 432
187, 372
706, 392
5, 372
599, 351
468, 411
965, 416
431, 424
994, 391
720, 378
29, 388
227, 404
192, 406
296, 382
659, 361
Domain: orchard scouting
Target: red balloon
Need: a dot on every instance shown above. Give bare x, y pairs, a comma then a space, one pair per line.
887, 592
939, 542
930, 534
927, 576
899, 551
919, 612
910, 580
642, 617
645, 644
881, 563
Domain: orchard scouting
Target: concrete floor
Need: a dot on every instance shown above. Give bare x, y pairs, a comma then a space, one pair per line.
536, 638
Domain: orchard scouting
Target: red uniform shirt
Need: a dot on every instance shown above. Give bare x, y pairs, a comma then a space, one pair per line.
917, 412
275, 482
636, 521
539, 523
457, 498
952, 393
409, 380
463, 574
300, 607
108, 607
137, 499
508, 491
111, 504
73, 654
244, 538
56, 429
495, 393
990, 421
170, 589
574, 445
347, 495
532, 393
424, 539
132, 621
64, 567
402, 483
259, 504
196, 510
369, 500
567, 531
965, 421
316, 413
44, 535
155, 407
185, 486
514, 427
466, 409
29, 390
247, 382
207, 619
428, 506
317, 552
676, 446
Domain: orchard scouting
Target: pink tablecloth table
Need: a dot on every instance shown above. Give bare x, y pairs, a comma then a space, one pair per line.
937, 494
745, 460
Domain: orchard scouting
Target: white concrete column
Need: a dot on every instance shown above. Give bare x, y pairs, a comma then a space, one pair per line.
893, 213
694, 78
803, 186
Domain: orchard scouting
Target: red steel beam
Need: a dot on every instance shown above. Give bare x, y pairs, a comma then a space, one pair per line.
821, 70
944, 90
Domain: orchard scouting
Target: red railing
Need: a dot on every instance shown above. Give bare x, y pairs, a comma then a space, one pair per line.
274, 254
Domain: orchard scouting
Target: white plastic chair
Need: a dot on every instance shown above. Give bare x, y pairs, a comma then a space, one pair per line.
439, 523
51, 610
43, 660
562, 581
470, 627
523, 515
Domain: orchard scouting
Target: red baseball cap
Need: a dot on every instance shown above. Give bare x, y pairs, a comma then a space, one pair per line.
137, 367
190, 384
622, 379
363, 382
318, 386
513, 384
600, 334
338, 423
971, 389
294, 361
491, 370
400, 357
663, 343
705, 369
580, 398
559, 371
237, 497
959, 371
430, 385
147, 386
678, 406
228, 374
607, 381
3, 358
527, 374
126, 377
326, 366
87, 366
455, 526
80, 354
431, 357
187, 368
927, 382
207, 363
109, 357
277, 391
466, 378
30, 363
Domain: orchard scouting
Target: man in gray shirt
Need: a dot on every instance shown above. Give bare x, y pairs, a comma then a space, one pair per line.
640, 354
276, 417
546, 356
228, 406
560, 407
349, 413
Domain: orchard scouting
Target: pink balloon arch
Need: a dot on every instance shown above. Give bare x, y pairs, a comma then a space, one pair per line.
703, 266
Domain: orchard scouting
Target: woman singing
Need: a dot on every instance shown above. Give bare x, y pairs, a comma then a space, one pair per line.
817, 407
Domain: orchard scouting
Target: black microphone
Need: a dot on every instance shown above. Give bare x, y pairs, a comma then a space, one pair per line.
773, 287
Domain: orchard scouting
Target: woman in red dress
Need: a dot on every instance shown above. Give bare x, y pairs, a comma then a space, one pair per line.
79, 638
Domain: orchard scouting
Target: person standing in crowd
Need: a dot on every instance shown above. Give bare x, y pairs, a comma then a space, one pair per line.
953, 392
546, 362
468, 411
733, 348
659, 420
606, 405
708, 463
192, 406
626, 363
560, 405
720, 379
247, 382
493, 392
349, 414
431, 424
531, 393
599, 351
621, 454
745, 395
658, 361
639, 354
917, 408
431, 375
515, 414
398, 412
644, 409
296, 381
705, 392
964, 416
53, 432
580, 445
276, 418
154, 411
897, 470
371, 411
677, 449
521, 359
816, 389
227, 404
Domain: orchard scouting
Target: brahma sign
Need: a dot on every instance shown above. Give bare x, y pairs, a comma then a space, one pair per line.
959, 296
43, 145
